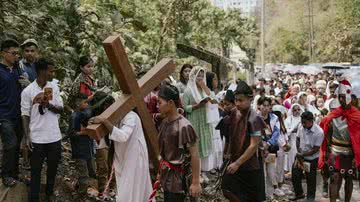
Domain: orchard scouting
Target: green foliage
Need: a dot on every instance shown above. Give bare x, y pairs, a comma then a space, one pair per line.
335, 22
150, 29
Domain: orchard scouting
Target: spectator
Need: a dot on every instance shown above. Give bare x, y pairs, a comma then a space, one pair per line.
217, 150
184, 78
84, 83
30, 50
271, 147
10, 118
82, 146
40, 105
309, 139
195, 99
292, 123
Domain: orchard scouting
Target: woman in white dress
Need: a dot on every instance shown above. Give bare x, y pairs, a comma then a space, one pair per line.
292, 122
215, 159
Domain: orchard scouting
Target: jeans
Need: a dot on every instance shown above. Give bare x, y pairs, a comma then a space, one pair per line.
52, 153
297, 174
11, 135
86, 171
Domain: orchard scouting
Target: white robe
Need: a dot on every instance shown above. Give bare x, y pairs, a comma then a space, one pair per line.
131, 160
291, 123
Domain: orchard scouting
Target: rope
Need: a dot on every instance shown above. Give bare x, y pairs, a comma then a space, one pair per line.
155, 188
106, 190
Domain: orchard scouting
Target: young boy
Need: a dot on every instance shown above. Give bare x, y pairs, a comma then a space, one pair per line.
177, 139
82, 146
224, 126
244, 180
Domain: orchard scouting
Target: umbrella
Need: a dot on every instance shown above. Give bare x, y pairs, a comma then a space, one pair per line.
293, 69
311, 70
334, 66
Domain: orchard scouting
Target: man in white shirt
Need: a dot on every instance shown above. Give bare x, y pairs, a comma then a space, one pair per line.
309, 139
40, 105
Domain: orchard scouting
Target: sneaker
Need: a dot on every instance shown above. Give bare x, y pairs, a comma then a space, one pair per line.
285, 186
289, 192
279, 192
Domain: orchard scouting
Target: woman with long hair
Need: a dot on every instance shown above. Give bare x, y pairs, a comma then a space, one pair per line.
184, 78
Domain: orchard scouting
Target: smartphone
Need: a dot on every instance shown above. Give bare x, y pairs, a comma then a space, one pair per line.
48, 93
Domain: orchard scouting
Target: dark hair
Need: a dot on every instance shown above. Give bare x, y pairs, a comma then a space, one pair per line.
324, 112
262, 90
281, 120
43, 64
229, 96
185, 66
307, 116
84, 60
263, 99
79, 98
9, 43
209, 80
170, 92
100, 102
243, 88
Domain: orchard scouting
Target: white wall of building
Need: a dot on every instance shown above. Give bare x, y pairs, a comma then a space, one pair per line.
246, 6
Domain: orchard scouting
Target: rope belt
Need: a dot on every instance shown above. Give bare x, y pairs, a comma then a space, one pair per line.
164, 164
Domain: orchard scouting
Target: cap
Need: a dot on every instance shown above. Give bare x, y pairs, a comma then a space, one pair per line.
30, 41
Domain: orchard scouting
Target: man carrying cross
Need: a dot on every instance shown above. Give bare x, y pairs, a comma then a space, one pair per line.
131, 161
131, 155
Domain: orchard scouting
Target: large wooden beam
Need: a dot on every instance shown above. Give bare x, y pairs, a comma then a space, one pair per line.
133, 94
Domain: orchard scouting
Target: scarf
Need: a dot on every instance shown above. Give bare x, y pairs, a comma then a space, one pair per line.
352, 117
197, 94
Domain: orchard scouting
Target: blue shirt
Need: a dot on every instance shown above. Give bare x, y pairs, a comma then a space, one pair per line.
29, 68
82, 146
10, 91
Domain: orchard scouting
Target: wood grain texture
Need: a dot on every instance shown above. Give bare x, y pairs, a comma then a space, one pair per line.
114, 114
155, 75
133, 94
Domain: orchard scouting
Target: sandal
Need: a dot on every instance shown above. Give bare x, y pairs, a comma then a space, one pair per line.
9, 181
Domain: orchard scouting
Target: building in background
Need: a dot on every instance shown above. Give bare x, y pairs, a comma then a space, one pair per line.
247, 7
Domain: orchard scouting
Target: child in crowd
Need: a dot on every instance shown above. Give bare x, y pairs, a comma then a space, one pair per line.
82, 146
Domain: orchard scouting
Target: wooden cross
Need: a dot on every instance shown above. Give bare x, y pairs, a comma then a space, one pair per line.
133, 94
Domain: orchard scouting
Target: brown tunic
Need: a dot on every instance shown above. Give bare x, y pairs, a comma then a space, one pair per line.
243, 127
174, 139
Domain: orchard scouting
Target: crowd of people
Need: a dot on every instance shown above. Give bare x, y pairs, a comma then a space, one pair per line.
255, 136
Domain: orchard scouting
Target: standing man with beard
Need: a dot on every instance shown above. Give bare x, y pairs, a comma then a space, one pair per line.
30, 50
342, 129
41, 104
